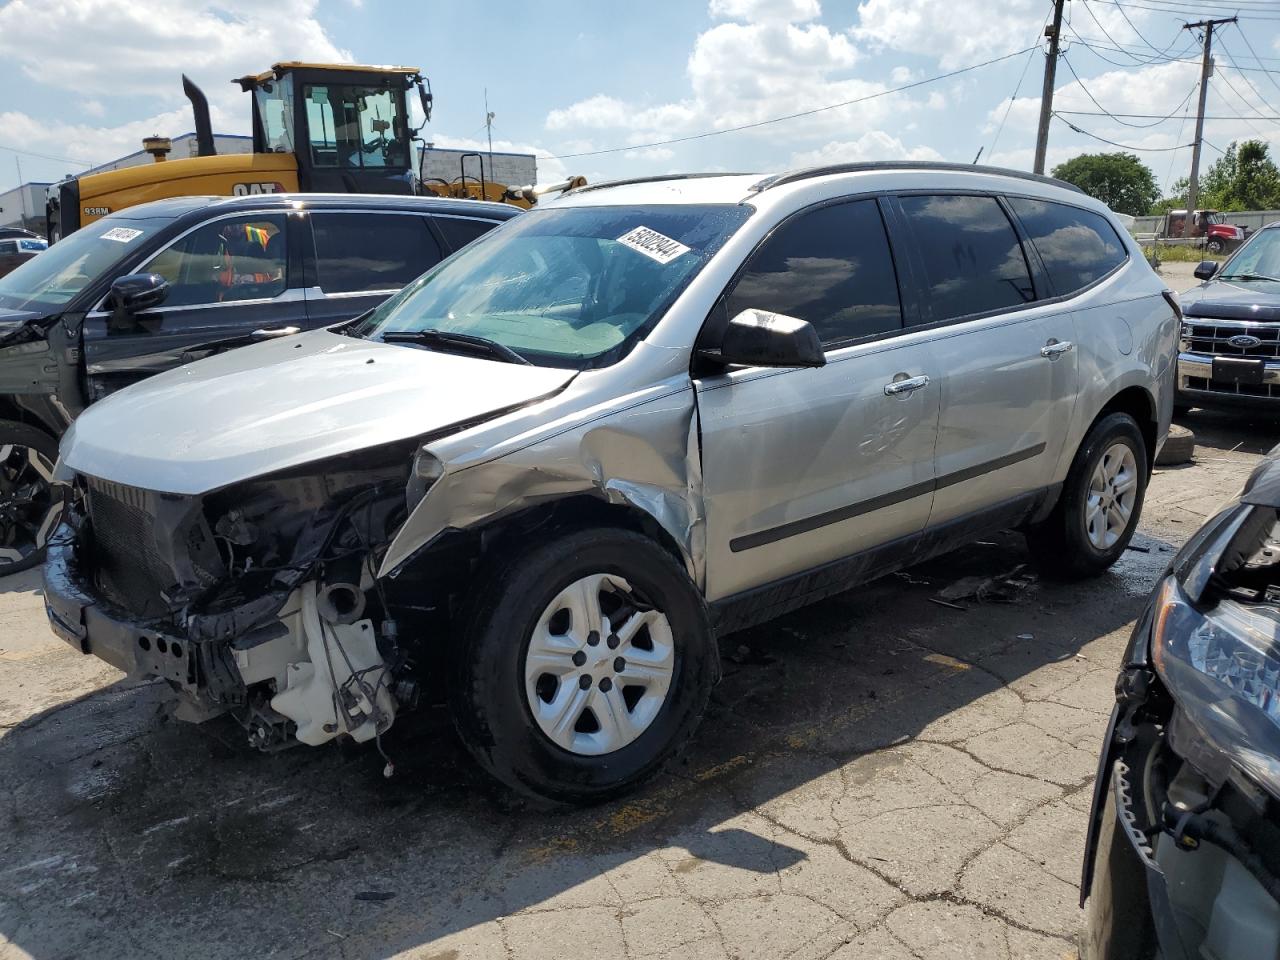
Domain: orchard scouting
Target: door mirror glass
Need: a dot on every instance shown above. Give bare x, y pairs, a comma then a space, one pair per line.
758, 338
137, 292
1206, 269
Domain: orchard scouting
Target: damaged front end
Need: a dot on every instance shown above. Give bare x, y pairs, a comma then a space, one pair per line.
258, 599
1183, 855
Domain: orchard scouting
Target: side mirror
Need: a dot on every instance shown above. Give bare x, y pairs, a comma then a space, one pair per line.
425, 98
137, 292
1205, 269
758, 338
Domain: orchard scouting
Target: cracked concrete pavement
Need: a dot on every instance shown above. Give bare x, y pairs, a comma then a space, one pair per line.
879, 776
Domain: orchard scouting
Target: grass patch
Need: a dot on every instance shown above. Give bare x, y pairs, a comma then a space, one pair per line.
1185, 253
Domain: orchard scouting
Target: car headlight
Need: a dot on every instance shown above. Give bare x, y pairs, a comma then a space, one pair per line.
1220, 660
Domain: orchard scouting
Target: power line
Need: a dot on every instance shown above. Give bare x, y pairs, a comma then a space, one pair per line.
1143, 59
792, 116
1190, 8
1116, 116
1014, 96
1245, 37
1149, 116
44, 156
1173, 157
1248, 82
1122, 146
1141, 36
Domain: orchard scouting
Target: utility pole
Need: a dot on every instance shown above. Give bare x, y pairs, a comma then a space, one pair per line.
488, 122
1206, 71
1046, 92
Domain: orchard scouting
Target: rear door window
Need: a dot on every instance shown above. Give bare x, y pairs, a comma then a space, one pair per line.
459, 231
830, 266
365, 252
1077, 246
972, 259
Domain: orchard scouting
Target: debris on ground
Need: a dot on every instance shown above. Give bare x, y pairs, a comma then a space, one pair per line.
1011, 587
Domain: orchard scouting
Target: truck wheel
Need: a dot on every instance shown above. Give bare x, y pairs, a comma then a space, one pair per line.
583, 666
1100, 503
30, 508
1215, 245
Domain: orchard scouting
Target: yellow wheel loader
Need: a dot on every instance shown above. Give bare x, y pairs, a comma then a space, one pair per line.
317, 128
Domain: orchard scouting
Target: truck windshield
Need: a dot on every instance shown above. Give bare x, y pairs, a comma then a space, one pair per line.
51, 279
572, 287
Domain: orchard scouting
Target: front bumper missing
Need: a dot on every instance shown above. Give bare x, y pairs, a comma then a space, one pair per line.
93, 627
304, 676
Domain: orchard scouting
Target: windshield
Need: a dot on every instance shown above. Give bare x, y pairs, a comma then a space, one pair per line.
353, 126
571, 287
52, 279
1259, 257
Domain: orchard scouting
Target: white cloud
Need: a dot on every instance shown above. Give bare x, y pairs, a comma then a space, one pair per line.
759, 11
872, 145
654, 154
150, 46
742, 73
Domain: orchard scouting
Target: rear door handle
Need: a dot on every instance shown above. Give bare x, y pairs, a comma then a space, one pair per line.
897, 388
275, 332
1056, 348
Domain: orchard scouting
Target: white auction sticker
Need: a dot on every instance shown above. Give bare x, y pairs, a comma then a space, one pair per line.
653, 244
121, 234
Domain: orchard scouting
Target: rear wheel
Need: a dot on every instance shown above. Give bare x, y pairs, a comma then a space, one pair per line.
585, 666
30, 507
1100, 503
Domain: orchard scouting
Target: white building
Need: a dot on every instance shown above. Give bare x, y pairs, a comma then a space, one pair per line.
512, 169
24, 207
184, 146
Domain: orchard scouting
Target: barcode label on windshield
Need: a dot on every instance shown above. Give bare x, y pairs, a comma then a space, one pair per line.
121, 234
653, 245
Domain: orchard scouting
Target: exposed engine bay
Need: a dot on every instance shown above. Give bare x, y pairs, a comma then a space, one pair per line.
258, 600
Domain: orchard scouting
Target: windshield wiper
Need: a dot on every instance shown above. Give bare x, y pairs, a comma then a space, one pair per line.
444, 338
1247, 276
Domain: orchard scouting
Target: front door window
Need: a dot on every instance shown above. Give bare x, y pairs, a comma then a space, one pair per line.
225, 261
355, 126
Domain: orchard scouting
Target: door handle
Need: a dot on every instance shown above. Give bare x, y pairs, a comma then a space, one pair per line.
275, 332
897, 388
1056, 348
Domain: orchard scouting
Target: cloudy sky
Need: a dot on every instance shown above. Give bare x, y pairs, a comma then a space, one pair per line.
590, 86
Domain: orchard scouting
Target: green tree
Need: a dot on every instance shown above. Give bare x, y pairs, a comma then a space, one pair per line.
1120, 180
1243, 178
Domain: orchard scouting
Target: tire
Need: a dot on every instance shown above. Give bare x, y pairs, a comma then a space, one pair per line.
1215, 245
1062, 544
493, 690
29, 505
1179, 447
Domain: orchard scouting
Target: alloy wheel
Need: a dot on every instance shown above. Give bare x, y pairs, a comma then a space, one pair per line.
29, 507
1113, 492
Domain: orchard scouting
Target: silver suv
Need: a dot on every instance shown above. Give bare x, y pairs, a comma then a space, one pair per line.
543, 478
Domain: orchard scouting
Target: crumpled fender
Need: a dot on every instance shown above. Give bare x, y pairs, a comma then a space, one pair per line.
644, 454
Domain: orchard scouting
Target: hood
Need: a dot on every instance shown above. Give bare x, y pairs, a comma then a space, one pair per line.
1234, 300
11, 321
280, 404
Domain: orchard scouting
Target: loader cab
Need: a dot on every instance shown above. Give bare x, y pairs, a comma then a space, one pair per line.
347, 126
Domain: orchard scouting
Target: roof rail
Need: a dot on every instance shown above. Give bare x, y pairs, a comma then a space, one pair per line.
872, 165
661, 178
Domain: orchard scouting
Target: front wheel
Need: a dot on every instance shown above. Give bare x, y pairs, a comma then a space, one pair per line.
583, 667
1216, 246
1101, 501
30, 505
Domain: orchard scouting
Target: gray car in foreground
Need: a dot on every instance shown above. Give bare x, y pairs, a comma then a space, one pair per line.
541, 479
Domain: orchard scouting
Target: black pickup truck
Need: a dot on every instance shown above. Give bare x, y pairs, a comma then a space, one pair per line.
164, 283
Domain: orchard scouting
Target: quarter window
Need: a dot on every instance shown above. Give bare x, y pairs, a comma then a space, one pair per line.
831, 267
1077, 246
358, 252
972, 259
459, 231
225, 261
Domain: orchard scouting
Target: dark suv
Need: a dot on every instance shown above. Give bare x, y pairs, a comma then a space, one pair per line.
160, 284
